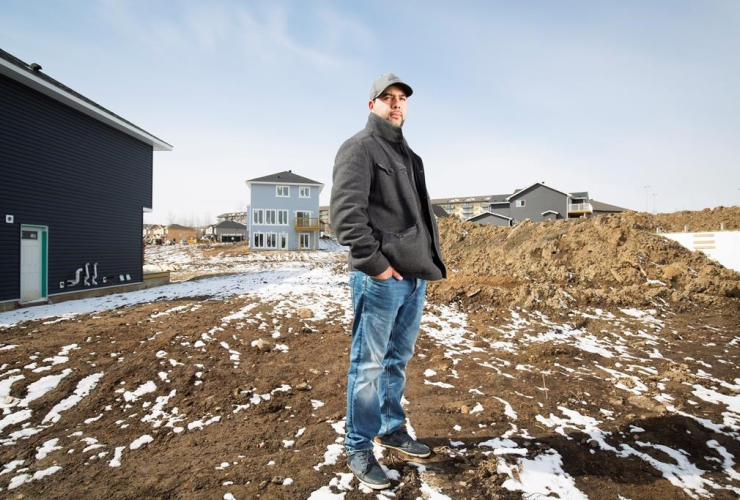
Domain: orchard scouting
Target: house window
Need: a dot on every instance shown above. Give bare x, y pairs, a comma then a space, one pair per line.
520, 203
258, 240
271, 240
258, 216
283, 240
282, 191
282, 217
303, 218
304, 192
270, 217
305, 241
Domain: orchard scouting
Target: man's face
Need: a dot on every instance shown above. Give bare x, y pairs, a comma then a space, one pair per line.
391, 105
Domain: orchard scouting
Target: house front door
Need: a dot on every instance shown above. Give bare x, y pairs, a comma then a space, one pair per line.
34, 252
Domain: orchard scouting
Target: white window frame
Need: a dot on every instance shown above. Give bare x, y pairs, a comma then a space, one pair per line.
258, 221
270, 217
271, 240
308, 214
282, 217
301, 191
283, 241
282, 191
521, 203
307, 246
256, 237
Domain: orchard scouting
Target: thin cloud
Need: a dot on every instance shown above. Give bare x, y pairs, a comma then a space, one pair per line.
268, 32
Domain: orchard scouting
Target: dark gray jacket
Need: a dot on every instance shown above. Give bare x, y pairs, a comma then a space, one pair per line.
380, 206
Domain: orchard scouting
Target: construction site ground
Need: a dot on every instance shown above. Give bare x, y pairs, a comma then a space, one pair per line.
568, 359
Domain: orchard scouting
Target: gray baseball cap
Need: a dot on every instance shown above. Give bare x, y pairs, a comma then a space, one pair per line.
386, 81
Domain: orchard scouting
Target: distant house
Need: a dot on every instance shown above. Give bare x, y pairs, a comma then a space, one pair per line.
325, 220
226, 232
71, 171
491, 218
600, 208
538, 202
154, 234
180, 233
464, 206
148, 230
240, 217
284, 212
439, 212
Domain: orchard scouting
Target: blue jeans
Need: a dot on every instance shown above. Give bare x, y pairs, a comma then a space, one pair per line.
387, 315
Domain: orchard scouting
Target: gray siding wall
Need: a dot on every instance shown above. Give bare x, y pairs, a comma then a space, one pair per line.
264, 197
501, 210
493, 221
537, 200
83, 179
230, 231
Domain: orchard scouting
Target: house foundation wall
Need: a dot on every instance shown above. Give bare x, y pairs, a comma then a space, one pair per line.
722, 246
150, 280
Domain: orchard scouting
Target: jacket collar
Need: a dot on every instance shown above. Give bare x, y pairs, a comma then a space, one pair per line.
384, 129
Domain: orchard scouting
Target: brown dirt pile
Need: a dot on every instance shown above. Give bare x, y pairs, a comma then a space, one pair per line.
709, 219
608, 261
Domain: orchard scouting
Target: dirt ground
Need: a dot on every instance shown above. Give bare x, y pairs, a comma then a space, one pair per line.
569, 359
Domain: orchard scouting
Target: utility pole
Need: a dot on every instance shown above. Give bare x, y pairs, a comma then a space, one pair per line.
654, 211
647, 209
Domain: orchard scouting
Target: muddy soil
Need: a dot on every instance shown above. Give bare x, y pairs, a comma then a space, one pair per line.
608, 261
709, 219
550, 346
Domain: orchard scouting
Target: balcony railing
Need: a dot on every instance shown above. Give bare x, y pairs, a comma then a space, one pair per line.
307, 224
580, 208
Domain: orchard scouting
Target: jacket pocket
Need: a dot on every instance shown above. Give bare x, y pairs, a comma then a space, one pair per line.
394, 182
409, 250
388, 169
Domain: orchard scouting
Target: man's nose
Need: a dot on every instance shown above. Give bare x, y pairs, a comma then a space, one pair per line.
396, 103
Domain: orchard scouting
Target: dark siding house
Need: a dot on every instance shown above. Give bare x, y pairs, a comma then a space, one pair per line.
604, 208
492, 219
534, 202
226, 232
540, 202
439, 212
500, 205
76, 179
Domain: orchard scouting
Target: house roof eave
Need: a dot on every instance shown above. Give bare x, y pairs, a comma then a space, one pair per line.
484, 213
517, 193
78, 102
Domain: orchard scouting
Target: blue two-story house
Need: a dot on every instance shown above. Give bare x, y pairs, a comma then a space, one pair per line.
283, 212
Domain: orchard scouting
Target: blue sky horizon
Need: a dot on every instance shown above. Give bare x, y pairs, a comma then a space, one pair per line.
608, 97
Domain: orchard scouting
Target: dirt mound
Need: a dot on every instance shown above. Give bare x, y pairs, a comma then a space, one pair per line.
233, 387
709, 219
608, 261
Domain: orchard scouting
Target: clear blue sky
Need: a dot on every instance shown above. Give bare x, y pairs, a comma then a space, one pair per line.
608, 97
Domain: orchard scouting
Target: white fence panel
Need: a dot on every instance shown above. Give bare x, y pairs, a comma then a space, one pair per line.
722, 246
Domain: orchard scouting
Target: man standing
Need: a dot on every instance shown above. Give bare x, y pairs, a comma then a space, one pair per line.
380, 208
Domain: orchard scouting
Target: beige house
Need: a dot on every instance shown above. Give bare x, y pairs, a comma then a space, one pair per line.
154, 233
180, 233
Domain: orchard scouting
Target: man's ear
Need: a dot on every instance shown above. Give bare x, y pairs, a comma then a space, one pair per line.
370, 105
